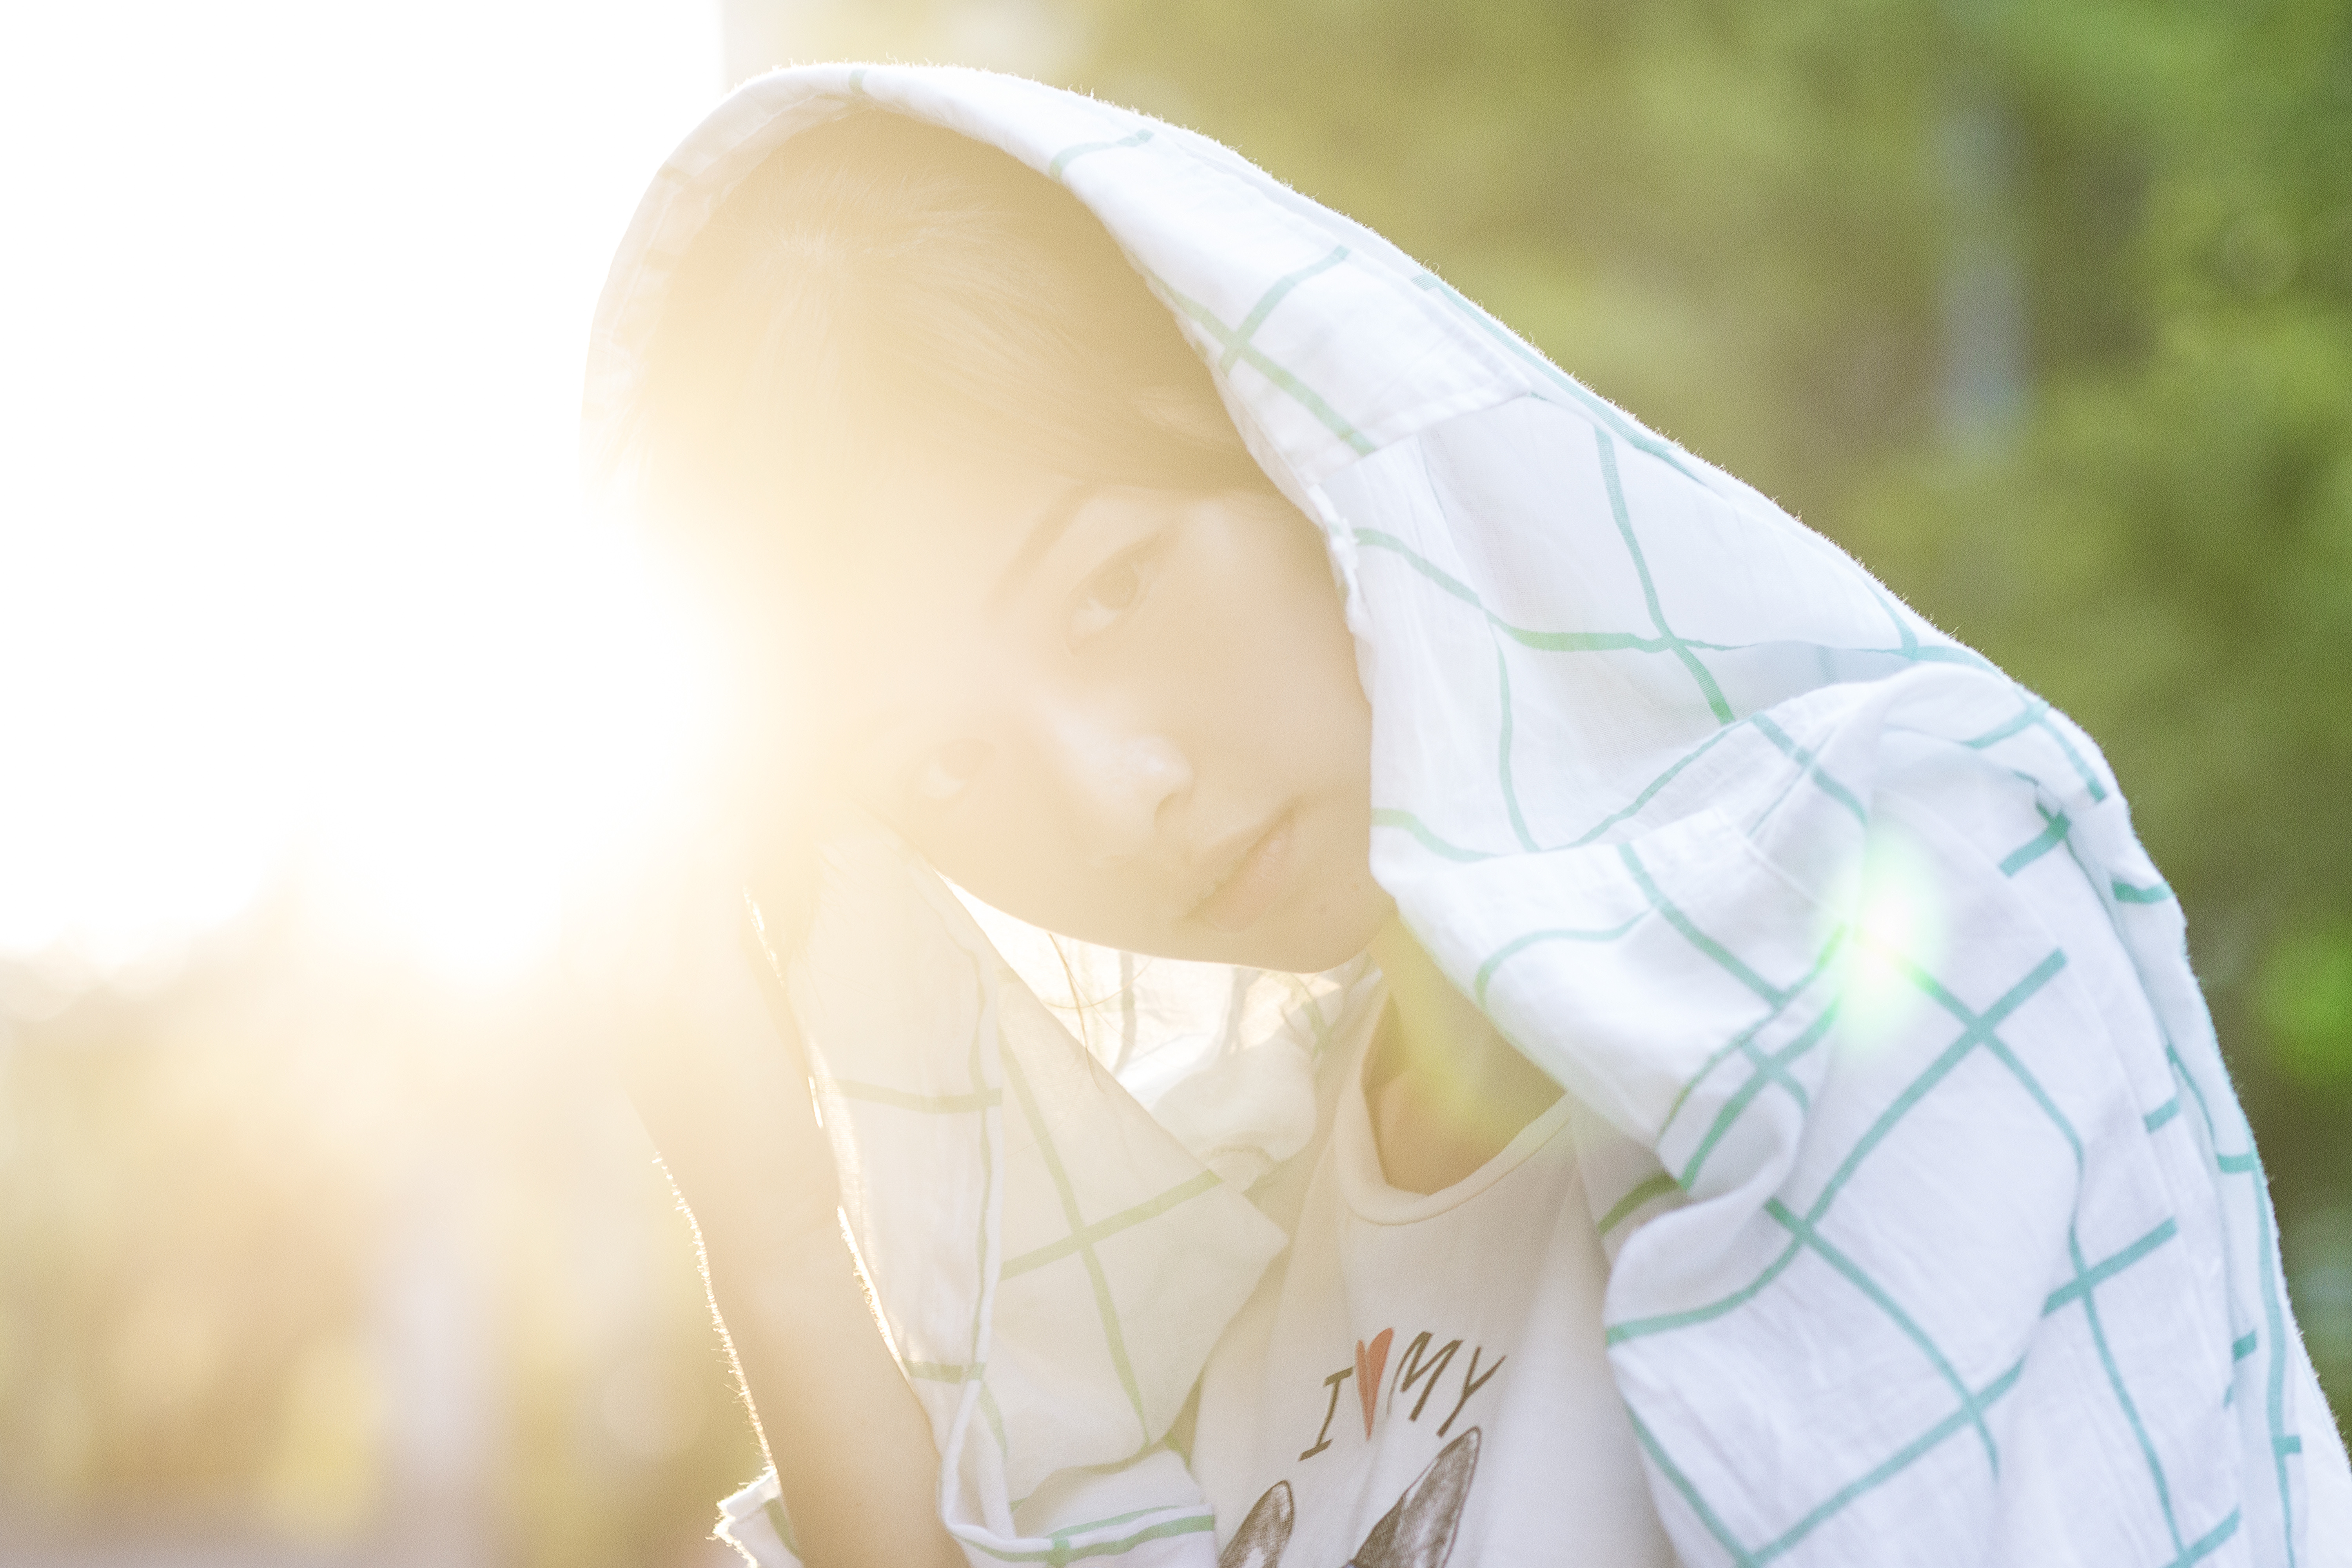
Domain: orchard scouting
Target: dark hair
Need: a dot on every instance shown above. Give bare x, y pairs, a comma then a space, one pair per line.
879, 286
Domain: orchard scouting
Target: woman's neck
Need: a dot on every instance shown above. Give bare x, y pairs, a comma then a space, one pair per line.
1445, 1091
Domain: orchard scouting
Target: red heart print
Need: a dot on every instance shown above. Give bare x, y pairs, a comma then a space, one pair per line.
1371, 1361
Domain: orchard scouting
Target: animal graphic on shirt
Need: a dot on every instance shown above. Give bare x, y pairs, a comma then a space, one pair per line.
1418, 1533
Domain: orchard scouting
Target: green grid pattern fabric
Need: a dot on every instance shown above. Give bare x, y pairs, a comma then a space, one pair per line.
1936, 1235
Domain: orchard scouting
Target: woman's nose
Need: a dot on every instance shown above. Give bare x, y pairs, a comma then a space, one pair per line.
1118, 784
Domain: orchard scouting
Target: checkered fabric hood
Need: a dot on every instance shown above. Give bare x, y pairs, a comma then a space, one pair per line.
1936, 1233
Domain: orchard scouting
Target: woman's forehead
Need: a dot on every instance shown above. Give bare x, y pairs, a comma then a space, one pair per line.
909, 585
948, 525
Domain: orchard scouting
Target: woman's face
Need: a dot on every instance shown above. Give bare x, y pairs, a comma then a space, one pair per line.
1126, 716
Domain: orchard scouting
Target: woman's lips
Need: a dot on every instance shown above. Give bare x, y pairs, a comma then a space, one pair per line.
1239, 902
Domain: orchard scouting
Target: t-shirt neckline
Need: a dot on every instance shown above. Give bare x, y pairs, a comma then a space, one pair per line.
1364, 1185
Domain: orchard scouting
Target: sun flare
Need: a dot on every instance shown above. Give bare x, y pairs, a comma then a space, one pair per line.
300, 588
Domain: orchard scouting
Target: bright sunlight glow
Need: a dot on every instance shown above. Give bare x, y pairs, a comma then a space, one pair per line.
295, 569
1899, 932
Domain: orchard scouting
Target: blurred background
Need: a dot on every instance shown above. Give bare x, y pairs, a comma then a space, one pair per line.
322, 1241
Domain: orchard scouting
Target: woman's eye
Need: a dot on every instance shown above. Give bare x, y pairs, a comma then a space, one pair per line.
947, 771
1109, 595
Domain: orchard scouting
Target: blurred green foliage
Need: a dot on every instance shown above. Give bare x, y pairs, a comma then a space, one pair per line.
2044, 310
2306, 1001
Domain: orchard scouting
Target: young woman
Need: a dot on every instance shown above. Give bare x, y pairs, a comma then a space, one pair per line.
1775, 1118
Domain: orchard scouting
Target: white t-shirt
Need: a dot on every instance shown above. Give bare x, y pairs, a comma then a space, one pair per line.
1420, 1380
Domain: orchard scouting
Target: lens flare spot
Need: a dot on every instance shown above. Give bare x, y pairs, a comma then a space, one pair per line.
1897, 940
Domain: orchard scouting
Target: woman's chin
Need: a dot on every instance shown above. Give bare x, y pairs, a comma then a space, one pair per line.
1312, 941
